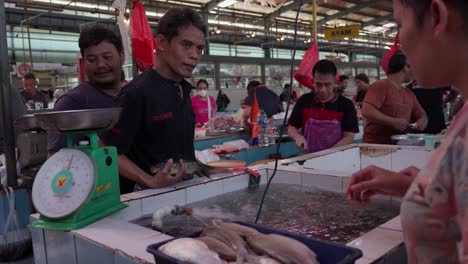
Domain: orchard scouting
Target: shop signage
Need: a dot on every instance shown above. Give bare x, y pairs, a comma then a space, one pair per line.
342, 32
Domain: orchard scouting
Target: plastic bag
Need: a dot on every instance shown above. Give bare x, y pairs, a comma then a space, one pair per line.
304, 73
143, 42
322, 134
390, 53
15, 240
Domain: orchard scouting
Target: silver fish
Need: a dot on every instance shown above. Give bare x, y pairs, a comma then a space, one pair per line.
190, 250
284, 249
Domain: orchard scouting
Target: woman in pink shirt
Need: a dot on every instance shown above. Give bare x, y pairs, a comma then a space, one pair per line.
203, 105
434, 211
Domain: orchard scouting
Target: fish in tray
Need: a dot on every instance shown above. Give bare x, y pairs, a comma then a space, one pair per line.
191, 167
222, 242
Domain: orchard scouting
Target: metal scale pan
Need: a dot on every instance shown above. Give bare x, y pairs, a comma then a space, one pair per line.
73, 120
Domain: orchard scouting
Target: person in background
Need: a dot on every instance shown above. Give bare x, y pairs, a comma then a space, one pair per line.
103, 56
203, 105
123, 82
432, 101
48, 96
55, 96
157, 123
323, 104
434, 211
362, 84
389, 107
267, 100
342, 84
33, 99
284, 95
222, 101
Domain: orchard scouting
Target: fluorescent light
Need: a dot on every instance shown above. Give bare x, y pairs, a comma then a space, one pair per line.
390, 25
226, 3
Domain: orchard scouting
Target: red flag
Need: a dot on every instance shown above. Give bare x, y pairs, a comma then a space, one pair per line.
304, 73
143, 42
390, 53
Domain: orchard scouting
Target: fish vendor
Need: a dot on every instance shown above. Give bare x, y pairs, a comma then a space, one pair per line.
157, 122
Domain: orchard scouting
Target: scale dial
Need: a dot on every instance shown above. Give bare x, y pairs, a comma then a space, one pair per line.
64, 183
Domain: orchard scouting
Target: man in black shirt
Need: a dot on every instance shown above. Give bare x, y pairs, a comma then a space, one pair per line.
157, 123
362, 83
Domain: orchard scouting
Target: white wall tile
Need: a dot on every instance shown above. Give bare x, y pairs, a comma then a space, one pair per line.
404, 158
88, 252
288, 177
39, 246
133, 211
325, 182
377, 242
382, 161
349, 161
204, 191
236, 183
153, 203
393, 224
60, 247
147, 192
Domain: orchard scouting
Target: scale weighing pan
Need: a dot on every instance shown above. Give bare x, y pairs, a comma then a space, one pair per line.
28, 122
72, 120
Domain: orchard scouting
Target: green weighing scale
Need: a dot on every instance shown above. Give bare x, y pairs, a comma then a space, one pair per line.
78, 185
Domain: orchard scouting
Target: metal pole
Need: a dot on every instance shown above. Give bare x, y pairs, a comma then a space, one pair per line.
314, 19
29, 35
5, 93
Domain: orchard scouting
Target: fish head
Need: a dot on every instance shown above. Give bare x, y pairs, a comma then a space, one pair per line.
182, 210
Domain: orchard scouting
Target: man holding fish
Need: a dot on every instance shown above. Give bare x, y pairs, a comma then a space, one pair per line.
157, 123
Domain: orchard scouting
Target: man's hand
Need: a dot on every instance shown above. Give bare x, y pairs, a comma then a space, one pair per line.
301, 143
411, 171
421, 124
400, 124
163, 177
374, 180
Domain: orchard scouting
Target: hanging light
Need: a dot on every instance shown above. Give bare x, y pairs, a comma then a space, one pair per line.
218, 31
253, 35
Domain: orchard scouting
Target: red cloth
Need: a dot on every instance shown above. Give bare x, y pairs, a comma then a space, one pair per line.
143, 42
390, 53
304, 73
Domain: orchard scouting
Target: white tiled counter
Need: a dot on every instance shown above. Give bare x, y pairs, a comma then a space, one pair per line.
116, 240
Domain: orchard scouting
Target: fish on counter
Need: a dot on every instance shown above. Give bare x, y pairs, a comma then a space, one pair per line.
157, 218
191, 167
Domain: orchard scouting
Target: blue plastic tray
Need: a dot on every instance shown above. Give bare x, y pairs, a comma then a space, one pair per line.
327, 252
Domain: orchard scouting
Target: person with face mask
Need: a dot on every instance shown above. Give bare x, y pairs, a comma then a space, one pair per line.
203, 105
389, 107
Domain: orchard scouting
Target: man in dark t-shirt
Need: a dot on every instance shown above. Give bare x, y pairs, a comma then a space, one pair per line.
33, 99
157, 123
323, 104
103, 56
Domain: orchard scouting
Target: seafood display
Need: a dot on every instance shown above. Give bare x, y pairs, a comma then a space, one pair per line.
234, 243
222, 123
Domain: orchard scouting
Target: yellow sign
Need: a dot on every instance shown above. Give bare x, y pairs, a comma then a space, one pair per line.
342, 32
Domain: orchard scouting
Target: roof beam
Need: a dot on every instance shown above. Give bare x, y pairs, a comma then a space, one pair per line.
284, 9
348, 11
211, 4
376, 21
